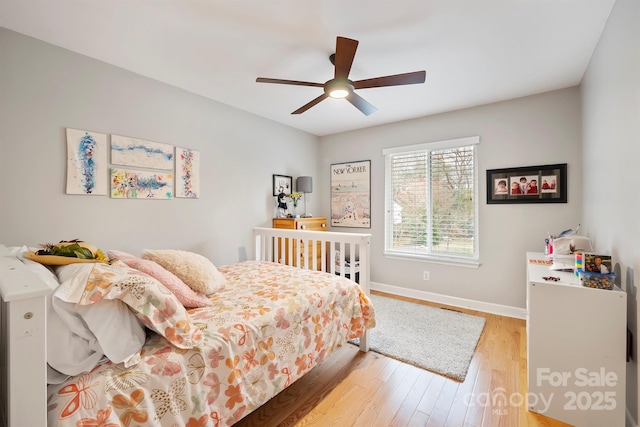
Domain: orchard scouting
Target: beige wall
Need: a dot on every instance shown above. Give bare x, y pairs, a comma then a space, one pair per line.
45, 89
611, 158
536, 130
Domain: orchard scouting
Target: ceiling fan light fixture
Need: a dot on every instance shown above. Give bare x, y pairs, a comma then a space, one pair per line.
339, 93
338, 88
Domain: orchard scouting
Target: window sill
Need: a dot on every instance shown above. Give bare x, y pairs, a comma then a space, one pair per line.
458, 262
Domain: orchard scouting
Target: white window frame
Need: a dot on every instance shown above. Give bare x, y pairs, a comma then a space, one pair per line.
472, 261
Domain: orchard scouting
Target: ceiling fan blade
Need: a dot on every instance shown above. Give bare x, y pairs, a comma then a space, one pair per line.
288, 82
345, 52
310, 104
362, 105
395, 80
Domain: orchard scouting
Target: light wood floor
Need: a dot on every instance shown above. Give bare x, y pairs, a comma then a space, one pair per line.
351, 388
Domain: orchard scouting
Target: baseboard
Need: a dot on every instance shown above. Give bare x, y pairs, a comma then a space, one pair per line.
485, 307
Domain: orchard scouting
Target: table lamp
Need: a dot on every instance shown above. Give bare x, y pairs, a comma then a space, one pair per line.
304, 185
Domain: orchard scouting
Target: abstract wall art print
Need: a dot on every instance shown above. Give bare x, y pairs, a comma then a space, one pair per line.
187, 173
128, 151
136, 184
86, 162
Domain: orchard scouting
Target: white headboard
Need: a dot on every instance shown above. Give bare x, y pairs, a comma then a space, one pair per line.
23, 392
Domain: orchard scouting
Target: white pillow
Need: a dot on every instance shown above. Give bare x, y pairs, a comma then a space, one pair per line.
193, 269
79, 337
120, 333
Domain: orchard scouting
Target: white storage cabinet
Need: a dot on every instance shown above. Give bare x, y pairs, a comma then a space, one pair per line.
576, 348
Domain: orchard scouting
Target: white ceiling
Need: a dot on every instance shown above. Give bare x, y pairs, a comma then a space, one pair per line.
474, 51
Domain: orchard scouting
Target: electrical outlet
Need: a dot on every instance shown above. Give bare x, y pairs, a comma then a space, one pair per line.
425, 275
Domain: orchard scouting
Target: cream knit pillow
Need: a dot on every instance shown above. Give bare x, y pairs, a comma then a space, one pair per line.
187, 296
193, 269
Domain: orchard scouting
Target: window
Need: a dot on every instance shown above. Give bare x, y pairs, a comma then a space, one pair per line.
432, 201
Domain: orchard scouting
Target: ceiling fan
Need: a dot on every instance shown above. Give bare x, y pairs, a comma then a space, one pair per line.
341, 87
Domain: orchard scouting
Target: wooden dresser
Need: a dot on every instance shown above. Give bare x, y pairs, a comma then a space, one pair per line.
318, 223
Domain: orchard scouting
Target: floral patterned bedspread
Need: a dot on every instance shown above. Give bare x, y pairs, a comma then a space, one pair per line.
270, 325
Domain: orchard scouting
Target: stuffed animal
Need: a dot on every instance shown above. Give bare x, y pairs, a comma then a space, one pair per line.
282, 205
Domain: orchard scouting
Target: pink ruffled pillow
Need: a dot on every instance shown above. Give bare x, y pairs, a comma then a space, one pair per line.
187, 296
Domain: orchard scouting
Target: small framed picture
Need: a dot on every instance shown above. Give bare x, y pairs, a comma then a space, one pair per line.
528, 184
282, 184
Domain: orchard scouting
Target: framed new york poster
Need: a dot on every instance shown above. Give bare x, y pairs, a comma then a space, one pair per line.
351, 194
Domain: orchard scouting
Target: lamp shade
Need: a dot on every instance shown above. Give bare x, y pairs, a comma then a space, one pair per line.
304, 184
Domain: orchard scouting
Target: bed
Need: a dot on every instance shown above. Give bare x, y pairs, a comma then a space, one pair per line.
267, 325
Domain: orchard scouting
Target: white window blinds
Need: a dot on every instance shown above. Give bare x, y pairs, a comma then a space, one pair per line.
431, 200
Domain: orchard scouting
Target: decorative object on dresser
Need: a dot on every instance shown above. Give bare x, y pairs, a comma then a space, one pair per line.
301, 257
295, 198
281, 190
528, 184
304, 185
351, 194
